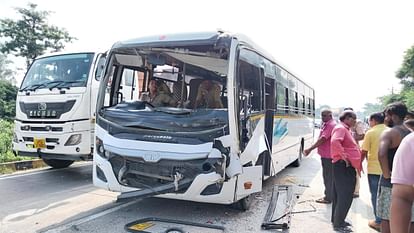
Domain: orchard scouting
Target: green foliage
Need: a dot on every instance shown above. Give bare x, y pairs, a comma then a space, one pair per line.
5, 170
370, 108
6, 73
408, 97
31, 35
406, 71
6, 136
8, 94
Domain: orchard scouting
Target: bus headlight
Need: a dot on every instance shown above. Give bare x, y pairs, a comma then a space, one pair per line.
74, 140
100, 148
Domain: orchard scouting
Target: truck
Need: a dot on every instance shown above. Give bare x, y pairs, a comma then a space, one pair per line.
55, 108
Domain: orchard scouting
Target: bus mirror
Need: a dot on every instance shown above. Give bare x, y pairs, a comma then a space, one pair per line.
156, 59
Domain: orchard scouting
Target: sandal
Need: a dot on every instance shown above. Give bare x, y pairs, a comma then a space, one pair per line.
323, 201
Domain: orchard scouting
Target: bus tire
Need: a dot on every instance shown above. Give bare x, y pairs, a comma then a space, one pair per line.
298, 161
245, 203
57, 163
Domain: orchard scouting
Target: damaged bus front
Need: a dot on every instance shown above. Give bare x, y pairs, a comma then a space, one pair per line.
176, 135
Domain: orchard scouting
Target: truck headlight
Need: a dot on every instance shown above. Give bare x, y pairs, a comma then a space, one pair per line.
74, 140
15, 138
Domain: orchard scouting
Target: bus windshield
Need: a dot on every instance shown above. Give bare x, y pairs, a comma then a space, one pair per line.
60, 71
151, 92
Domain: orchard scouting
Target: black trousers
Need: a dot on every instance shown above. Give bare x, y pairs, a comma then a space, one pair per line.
327, 174
343, 188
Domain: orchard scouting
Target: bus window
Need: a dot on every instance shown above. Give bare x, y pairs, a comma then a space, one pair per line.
129, 84
301, 104
269, 93
287, 99
293, 101
251, 79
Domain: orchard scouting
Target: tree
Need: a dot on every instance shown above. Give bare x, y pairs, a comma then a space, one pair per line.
8, 94
406, 71
370, 108
408, 97
6, 73
31, 35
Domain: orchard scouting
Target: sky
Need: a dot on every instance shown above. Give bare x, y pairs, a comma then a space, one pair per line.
348, 51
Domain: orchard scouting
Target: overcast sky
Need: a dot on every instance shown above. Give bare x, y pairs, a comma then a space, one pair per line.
348, 51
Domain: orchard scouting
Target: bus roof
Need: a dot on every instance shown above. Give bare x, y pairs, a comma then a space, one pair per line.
197, 38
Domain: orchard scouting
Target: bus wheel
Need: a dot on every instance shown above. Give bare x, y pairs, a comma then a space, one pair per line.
245, 203
57, 163
297, 162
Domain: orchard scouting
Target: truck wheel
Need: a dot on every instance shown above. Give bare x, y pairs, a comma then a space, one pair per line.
57, 163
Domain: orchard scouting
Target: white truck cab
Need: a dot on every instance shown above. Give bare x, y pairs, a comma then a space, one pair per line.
55, 108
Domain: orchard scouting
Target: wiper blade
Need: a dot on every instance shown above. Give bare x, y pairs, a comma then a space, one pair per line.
33, 87
59, 84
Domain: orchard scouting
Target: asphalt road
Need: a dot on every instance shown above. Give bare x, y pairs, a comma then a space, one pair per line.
65, 200
33, 200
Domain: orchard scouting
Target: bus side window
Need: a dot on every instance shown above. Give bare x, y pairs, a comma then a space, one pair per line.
280, 98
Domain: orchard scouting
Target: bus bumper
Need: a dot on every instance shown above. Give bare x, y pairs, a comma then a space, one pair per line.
208, 187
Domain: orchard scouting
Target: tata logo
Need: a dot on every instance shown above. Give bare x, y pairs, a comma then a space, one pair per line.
42, 106
151, 156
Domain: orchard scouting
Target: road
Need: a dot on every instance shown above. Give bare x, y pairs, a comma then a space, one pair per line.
65, 200
37, 199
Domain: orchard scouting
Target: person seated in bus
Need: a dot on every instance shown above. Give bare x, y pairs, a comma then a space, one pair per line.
208, 95
160, 94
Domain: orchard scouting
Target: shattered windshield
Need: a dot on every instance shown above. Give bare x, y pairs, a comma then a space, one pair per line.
166, 91
61, 71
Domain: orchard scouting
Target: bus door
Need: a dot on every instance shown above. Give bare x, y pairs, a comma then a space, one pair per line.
269, 106
252, 92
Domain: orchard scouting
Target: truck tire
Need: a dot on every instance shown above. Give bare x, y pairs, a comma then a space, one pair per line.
57, 163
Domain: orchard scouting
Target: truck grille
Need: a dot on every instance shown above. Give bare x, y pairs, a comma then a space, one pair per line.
46, 110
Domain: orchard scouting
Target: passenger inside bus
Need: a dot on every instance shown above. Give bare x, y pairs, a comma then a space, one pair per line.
160, 94
208, 95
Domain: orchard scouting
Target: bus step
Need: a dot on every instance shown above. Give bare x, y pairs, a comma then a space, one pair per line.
279, 211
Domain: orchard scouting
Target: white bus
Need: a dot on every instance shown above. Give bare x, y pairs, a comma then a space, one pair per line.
206, 153
55, 108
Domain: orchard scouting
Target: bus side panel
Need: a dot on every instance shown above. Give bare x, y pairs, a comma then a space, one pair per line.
288, 133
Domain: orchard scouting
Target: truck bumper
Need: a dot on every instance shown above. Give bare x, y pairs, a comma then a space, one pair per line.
55, 135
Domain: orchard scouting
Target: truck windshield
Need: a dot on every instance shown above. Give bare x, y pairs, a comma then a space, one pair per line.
60, 71
160, 94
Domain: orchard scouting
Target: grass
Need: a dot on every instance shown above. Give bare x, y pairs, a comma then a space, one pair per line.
9, 157
5, 170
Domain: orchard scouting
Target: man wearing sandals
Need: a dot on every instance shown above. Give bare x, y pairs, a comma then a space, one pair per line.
346, 159
324, 150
